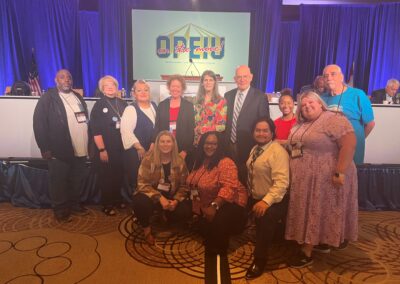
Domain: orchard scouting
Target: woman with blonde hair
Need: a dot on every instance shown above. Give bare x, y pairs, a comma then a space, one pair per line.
105, 123
323, 207
137, 130
162, 185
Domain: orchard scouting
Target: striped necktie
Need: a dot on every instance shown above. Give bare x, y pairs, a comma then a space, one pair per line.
256, 153
236, 111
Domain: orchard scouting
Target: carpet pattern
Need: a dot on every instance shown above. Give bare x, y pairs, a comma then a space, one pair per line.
34, 248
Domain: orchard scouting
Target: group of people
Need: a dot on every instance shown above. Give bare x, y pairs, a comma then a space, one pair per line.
221, 159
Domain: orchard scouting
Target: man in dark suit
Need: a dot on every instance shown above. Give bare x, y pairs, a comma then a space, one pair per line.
245, 105
388, 95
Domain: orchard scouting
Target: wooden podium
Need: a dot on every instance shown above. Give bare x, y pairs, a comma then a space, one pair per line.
191, 78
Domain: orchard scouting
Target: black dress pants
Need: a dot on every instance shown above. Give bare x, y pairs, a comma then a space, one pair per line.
110, 179
131, 168
144, 208
65, 180
230, 219
266, 227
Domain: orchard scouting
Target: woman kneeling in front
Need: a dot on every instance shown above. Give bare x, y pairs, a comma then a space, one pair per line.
161, 184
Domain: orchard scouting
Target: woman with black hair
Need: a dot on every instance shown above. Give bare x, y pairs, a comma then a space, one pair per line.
218, 196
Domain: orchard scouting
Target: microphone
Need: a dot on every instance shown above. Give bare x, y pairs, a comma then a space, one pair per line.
191, 61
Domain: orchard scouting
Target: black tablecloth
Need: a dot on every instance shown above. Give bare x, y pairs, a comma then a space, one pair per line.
28, 186
378, 186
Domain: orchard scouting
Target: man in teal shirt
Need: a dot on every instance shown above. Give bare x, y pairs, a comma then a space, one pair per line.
354, 104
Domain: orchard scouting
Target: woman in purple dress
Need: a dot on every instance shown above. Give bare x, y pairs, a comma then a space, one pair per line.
323, 205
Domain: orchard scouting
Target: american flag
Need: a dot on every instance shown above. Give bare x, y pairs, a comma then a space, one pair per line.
34, 77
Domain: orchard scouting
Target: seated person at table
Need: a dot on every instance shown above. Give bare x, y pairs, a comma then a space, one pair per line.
284, 123
388, 94
161, 185
217, 195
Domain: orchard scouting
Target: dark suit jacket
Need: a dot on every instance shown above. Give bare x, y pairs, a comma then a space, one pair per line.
254, 107
378, 96
184, 125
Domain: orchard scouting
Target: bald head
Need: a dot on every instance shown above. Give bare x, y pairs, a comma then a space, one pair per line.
64, 81
334, 79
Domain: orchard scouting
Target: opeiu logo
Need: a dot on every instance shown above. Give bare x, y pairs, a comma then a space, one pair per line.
193, 40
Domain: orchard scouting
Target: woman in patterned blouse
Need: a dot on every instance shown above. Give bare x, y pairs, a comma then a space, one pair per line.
210, 107
217, 195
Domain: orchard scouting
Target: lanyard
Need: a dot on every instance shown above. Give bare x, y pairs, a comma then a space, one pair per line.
198, 179
116, 109
69, 105
301, 137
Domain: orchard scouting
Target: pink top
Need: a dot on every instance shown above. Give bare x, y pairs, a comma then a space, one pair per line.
222, 181
283, 127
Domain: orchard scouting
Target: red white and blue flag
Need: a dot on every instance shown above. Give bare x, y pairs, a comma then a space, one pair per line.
34, 77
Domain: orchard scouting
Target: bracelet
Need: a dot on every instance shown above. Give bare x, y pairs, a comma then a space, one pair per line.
215, 205
102, 150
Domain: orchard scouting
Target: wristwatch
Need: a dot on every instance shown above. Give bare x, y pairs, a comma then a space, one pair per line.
215, 205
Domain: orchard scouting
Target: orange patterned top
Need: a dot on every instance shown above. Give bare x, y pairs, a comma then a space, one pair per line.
222, 181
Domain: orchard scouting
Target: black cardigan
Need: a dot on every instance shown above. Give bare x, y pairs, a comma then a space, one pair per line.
184, 125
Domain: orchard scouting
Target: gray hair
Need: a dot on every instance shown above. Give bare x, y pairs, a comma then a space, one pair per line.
105, 78
392, 82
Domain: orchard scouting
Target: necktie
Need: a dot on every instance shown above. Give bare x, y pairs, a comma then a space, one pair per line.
236, 111
256, 153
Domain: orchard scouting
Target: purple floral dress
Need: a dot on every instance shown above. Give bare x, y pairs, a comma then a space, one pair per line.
319, 213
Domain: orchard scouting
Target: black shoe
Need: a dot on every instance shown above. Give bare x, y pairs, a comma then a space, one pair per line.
300, 261
79, 210
255, 270
343, 245
322, 248
63, 219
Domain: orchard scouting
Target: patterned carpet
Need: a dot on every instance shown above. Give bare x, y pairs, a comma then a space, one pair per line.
34, 248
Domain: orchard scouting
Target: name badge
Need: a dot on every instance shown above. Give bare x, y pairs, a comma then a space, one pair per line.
164, 187
296, 150
80, 117
194, 194
172, 127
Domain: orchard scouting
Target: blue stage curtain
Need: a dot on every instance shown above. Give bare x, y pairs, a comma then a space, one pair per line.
385, 63
48, 26
265, 24
91, 51
287, 55
335, 34
7, 73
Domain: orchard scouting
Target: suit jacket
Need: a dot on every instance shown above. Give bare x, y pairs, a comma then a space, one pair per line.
254, 107
184, 125
378, 96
